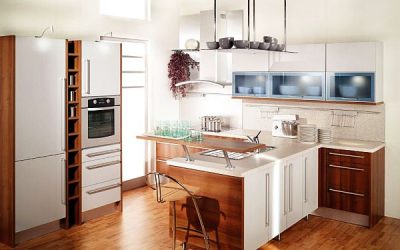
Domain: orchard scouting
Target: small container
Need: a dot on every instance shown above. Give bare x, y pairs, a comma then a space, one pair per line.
72, 96
72, 112
71, 80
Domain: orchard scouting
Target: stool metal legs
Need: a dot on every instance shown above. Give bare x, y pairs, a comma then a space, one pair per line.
173, 225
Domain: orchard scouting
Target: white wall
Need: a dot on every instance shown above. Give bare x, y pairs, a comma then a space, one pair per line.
77, 19
318, 21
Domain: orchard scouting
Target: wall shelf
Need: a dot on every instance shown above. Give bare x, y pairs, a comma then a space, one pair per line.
73, 134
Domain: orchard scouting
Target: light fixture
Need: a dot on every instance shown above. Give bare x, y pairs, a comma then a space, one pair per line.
51, 28
108, 37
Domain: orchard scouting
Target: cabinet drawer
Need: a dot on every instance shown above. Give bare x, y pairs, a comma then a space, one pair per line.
101, 194
98, 153
102, 170
166, 151
335, 156
347, 201
346, 178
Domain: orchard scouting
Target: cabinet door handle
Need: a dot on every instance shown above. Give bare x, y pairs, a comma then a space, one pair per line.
305, 180
106, 152
63, 181
345, 192
102, 165
98, 190
347, 155
348, 168
285, 195
267, 199
63, 93
87, 76
290, 187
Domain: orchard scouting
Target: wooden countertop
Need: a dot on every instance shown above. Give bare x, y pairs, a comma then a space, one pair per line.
210, 143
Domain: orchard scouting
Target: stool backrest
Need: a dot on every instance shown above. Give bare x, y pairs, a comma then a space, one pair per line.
156, 181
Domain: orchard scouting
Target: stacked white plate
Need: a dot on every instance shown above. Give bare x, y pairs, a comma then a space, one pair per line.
308, 133
324, 135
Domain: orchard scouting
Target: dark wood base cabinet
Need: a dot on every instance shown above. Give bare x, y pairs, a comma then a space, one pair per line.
353, 181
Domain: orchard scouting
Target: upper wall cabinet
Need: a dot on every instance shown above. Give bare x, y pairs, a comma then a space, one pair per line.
101, 69
354, 57
309, 57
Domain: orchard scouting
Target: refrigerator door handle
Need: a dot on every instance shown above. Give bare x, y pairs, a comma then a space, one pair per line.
63, 93
63, 180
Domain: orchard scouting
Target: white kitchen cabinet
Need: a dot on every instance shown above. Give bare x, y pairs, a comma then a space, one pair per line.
310, 181
102, 170
291, 192
101, 194
101, 69
259, 199
309, 58
39, 97
244, 61
39, 191
354, 57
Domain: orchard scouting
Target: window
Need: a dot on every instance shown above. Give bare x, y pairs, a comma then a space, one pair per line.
134, 9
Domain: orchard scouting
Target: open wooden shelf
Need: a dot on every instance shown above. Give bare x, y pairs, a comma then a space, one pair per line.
73, 134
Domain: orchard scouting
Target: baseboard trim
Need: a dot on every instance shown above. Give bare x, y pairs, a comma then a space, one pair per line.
101, 211
349, 217
134, 183
37, 231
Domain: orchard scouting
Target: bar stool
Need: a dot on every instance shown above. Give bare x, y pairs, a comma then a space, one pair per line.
168, 189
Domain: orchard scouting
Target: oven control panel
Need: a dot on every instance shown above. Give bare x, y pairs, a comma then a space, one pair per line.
101, 102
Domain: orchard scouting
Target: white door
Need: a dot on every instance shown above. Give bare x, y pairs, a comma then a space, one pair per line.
310, 185
101, 69
40, 74
39, 191
295, 192
257, 203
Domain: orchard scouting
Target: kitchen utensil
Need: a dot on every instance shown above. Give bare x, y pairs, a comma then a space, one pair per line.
348, 91
245, 90
192, 44
259, 90
270, 39
281, 47
273, 46
226, 42
264, 45
241, 44
289, 90
213, 45
254, 45
285, 126
313, 90
214, 125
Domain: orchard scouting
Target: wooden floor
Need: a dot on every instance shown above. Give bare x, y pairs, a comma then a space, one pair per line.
144, 225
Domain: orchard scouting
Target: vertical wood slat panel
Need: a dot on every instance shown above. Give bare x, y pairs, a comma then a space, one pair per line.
7, 139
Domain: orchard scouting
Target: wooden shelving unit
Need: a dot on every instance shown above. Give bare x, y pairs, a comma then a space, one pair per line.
73, 134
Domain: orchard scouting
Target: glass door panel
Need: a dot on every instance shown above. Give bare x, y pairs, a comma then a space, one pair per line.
301, 85
250, 84
351, 86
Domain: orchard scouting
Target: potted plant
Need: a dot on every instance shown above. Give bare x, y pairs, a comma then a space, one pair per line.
179, 71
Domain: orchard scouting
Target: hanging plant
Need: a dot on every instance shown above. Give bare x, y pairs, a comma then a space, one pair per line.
179, 71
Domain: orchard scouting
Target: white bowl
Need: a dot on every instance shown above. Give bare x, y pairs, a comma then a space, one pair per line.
289, 90
347, 91
313, 90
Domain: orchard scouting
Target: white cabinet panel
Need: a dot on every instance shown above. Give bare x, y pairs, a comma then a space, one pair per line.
39, 191
351, 57
249, 62
100, 69
99, 171
295, 191
309, 57
91, 154
208, 65
310, 182
39, 76
101, 194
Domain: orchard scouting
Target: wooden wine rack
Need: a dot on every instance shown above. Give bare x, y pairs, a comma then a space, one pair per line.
73, 134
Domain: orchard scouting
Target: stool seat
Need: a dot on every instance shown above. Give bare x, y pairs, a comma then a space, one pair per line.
174, 192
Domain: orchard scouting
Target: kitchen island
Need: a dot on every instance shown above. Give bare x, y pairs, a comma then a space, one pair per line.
246, 206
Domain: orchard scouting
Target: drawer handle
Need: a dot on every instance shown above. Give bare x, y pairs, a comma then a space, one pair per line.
347, 155
345, 192
342, 167
98, 190
102, 165
103, 153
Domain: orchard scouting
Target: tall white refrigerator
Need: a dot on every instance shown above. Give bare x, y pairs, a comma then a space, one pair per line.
40, 134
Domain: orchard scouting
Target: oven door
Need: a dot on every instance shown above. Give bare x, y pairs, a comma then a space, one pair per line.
100, 126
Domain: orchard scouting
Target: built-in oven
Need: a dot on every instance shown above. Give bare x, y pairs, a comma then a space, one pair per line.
101, 119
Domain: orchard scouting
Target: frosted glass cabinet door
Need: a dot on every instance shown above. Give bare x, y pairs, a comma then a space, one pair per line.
250, 84
351, 86
301, 85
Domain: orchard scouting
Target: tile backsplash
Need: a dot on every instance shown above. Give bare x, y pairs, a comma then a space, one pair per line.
362, 122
